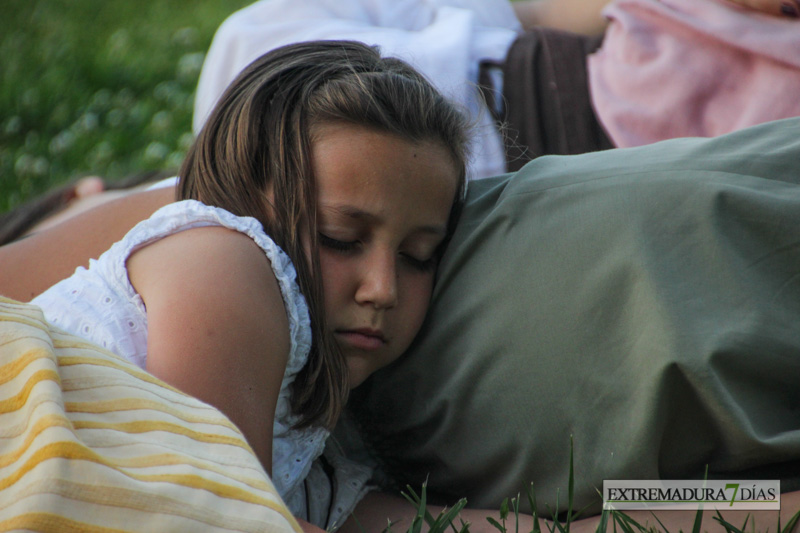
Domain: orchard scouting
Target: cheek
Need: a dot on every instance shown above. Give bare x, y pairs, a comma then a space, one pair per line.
334, 277
417, 294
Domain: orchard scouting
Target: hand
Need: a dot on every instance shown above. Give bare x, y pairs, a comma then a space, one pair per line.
784, 8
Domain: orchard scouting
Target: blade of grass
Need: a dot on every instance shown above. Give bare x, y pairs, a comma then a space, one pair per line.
420, 502
515, 507
534, 509
730, 528
556, 522
627, 523
659, 522
495, 524
447, 517
603, 520
698, 517
358, 524
570, 483
504, 512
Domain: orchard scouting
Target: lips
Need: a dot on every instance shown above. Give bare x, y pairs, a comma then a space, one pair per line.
362, 338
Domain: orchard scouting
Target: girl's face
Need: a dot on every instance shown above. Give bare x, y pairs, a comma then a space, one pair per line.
383, 205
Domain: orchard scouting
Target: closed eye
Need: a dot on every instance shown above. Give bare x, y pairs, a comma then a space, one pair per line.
336, 244
422, 265
347, 247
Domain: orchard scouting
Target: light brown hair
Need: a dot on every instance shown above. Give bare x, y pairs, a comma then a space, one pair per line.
258, 140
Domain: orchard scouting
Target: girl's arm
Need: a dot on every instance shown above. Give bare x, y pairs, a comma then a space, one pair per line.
31, 265
217, 326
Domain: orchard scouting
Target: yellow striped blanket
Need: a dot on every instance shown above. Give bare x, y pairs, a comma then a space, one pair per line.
89, 442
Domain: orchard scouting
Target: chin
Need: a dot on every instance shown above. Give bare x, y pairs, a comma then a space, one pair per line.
355, 378
358, 376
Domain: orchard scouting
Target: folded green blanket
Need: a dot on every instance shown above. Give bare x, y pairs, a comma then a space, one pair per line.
645, 302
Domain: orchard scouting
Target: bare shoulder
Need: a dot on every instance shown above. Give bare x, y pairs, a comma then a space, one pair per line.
208, 241
216, 324
210, 272
209, 260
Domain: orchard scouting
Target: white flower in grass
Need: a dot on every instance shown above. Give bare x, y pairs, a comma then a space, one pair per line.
23, 165
124, 99
30, 98
31, 139
161, 121
86, 123
115, 117
166, 91
13, 125
28, 165
185, 141
62, 142
186, 37
41, 166
139, 112
175, 160
189, 66
118, 44
101, 154
156, 152
101, 100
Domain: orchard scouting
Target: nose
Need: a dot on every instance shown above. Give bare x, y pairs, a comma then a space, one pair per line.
378, 283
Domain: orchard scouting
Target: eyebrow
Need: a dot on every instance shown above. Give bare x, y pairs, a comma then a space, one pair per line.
361, 215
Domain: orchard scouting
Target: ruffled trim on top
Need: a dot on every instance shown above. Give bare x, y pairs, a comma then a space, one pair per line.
188, 214
293, 450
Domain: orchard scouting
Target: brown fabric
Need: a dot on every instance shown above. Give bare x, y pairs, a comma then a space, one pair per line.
548, 108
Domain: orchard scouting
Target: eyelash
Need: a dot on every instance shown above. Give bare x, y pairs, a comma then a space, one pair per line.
337, 245
345, 247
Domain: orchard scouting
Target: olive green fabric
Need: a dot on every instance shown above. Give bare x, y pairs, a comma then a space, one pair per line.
644, 301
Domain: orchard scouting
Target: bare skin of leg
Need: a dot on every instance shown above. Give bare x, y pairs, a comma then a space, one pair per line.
89, 192
585, 16
784, 8
31, 265
576, 16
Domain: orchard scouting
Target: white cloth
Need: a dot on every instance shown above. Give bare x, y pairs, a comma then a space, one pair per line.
100, 305
443, 39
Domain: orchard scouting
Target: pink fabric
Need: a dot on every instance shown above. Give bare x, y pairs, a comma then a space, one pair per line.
692, 68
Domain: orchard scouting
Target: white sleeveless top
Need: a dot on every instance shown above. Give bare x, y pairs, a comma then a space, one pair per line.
100, 305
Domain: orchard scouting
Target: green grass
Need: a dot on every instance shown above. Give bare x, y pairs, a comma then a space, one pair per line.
100, 87
616, 521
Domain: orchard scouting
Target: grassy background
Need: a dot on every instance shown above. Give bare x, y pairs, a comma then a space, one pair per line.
100, 87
